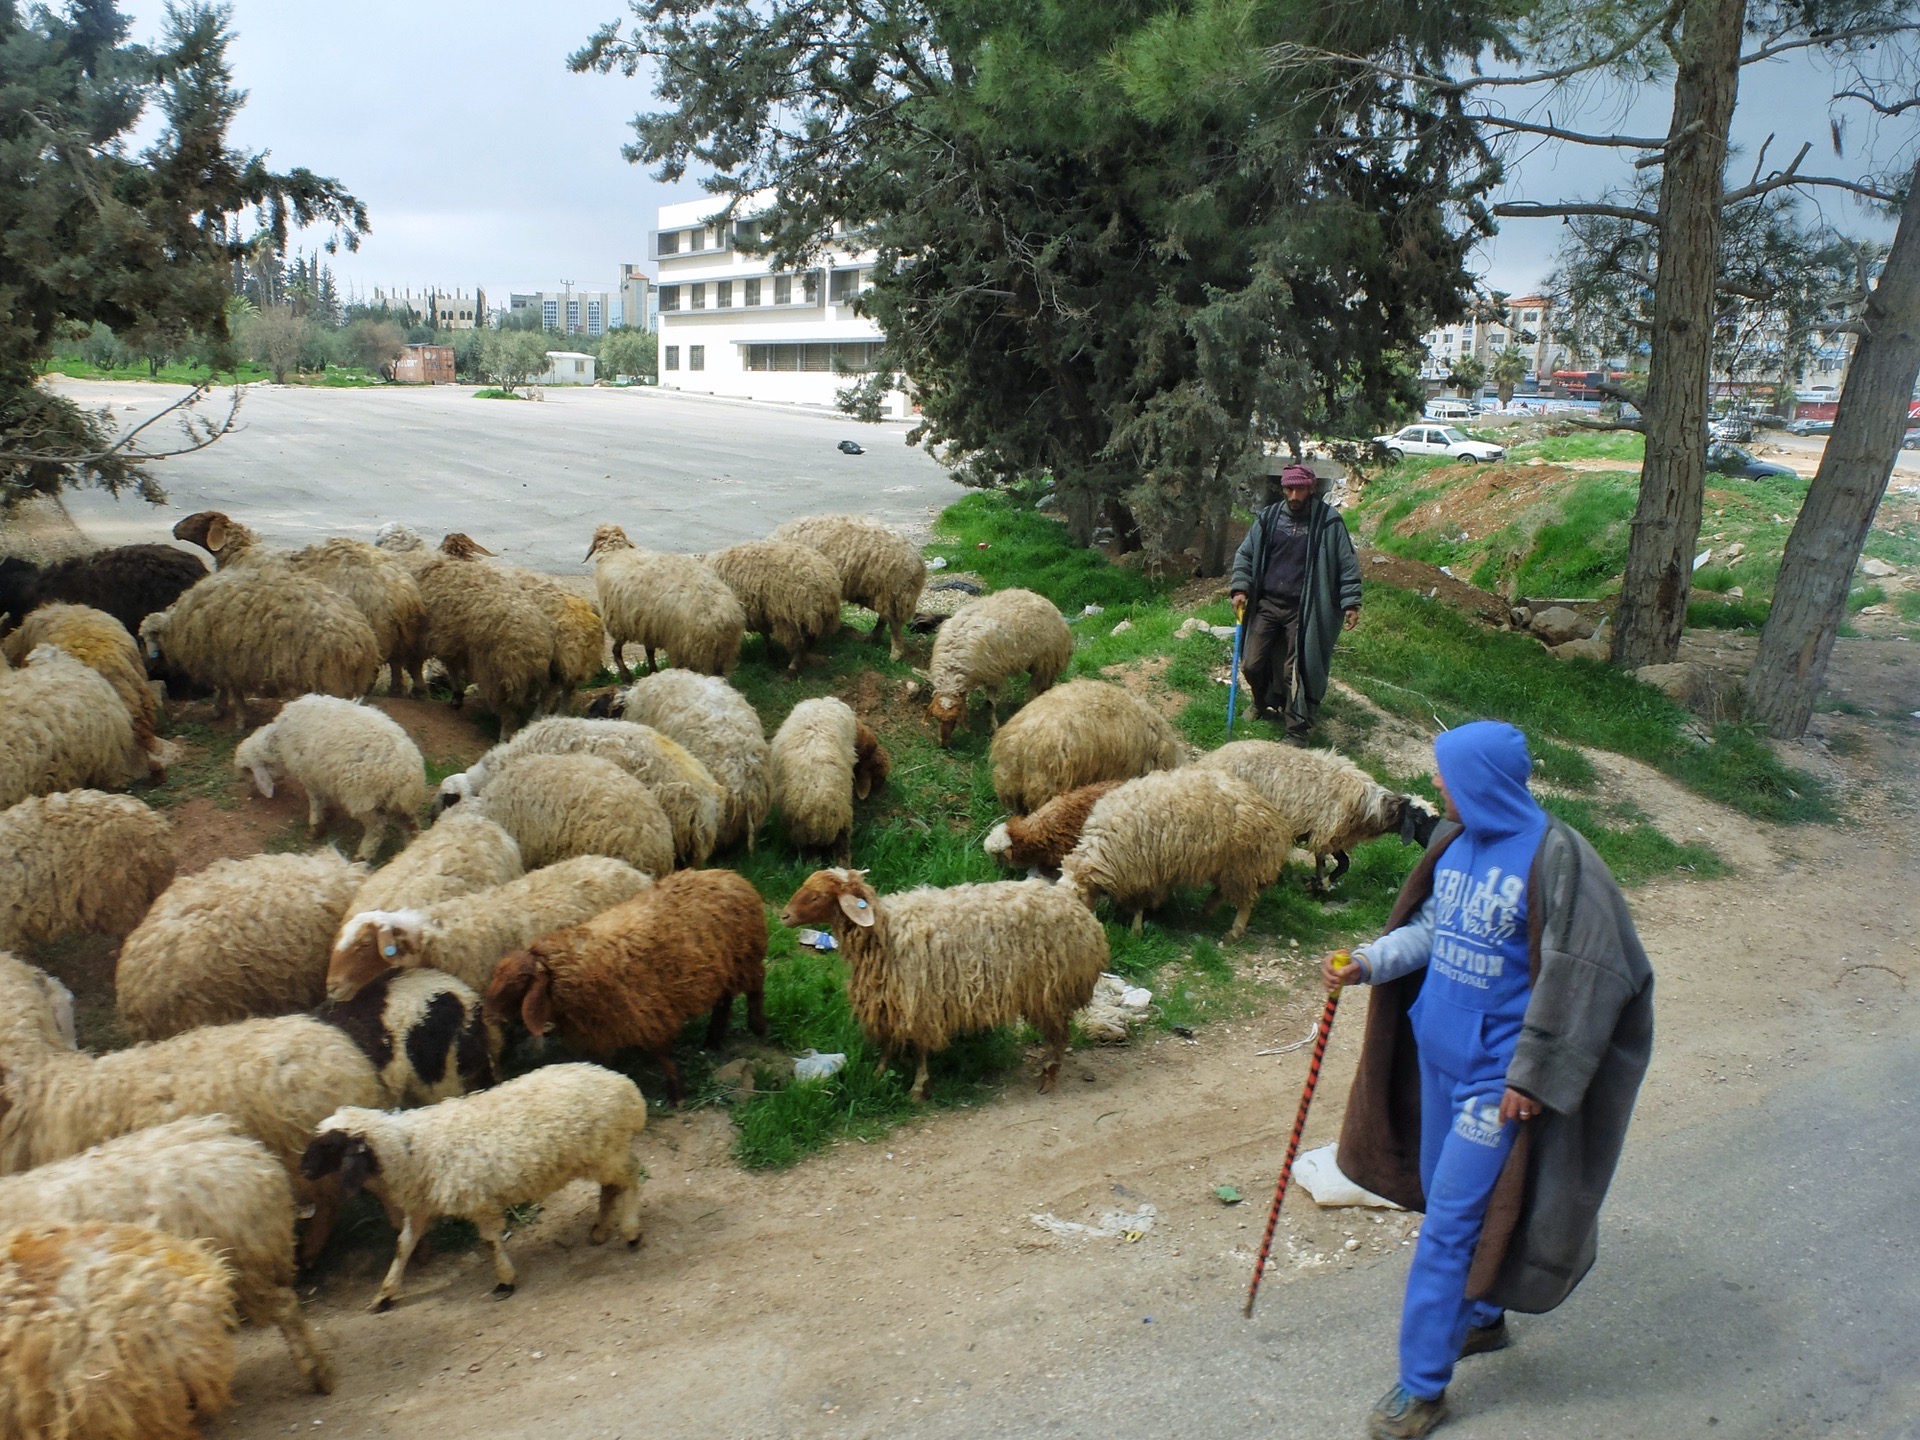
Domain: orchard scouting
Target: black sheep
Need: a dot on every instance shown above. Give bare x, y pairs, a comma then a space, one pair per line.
129, 582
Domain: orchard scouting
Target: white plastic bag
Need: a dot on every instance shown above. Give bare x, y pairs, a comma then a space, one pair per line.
815, 1066
1319, 1171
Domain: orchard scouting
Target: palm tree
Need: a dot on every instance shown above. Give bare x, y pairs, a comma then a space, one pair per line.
1509, 369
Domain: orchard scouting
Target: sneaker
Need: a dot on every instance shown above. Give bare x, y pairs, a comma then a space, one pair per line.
1484, 1339
1400, 1415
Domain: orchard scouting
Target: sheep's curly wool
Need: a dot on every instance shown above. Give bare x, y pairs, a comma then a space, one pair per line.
1044, 838
661, 601
878, 566
62, 727
559, 807
790, 592
80, 862
383, 590
346, 755
462, 853
486, 630
1077, 734
988, 641
721, 729
813, 762
101, 643
36, 1013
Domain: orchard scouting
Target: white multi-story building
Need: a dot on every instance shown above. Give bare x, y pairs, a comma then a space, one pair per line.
572, 312
636, 309
731, 324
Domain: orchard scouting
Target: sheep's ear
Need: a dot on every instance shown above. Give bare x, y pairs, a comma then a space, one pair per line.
216, 534
262, 780
857, 907
389, 947
536, 1007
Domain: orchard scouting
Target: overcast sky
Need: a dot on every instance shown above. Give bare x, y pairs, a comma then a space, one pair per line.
484, 161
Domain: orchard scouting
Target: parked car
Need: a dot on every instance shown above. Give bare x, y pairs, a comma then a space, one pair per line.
1734, 427
1427, 439
1731, 460
851, 447
1911, 440
1768, 420
1810, 427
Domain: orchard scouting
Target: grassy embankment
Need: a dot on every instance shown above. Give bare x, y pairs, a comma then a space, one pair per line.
335, 377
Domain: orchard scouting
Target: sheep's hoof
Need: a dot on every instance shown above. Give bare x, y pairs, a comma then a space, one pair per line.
381, 1305
918, 1095
636, 1242
598, 1235
1047, 1078
502, 1291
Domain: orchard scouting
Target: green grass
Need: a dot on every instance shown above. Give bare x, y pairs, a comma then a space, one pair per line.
1907, 604
494, 392
1627, 446
334, 377
206, 771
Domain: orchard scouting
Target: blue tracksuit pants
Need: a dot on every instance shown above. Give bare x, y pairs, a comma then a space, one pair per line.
1462, 1148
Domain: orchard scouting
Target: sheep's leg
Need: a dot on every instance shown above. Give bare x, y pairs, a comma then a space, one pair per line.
493, 1230
757, 1012
311, 1361
886, 1061
609, 1194
897, 643
1213, 902
410, 1233
326, 1208
1319, 885
1055, 1034
920, 1076
717, 1026
676, 1091
374, 834
1340, 862
1240, 918
629, 1212
620, 664
653, 664
1138, 917
843, 847
316, 815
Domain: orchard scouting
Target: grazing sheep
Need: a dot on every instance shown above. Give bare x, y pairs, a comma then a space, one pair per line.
721, 729
346, 756
1040, 841
101, 643
478, 1156
1180, 827
791, 593
198, 1179
988, 641
237, 940
633, 975
927, 965
665, 602
129, 582
467, 935
80, 862
486, 629
1076, 734
36, 1013
824, 758
425, 1033
687, 793
878, 566
1337, 803
62, 727
111, 1332
462, 853
264, 629
558, 807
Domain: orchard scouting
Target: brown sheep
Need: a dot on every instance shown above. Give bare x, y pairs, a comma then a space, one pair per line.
1040, 841
633, 975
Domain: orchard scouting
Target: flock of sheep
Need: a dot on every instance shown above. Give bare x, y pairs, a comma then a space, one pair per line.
311, 1026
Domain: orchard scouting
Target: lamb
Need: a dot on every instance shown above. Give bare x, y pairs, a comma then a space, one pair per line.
475, 1157
62, 727
80, 862
824, 758
463, 852
987, 642
101, 643
558, 807
266, 630
722, 730
466, 936
1338, 804
346, 756
665, 602
129, 582
686, 792
485, 628
632, 976
1040, 841
1079, 733
239, 939
879, 567
111, 1332
1180, 827
927, 965
198, 1179
791, 593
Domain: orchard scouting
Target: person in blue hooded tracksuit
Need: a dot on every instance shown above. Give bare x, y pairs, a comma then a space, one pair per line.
1512, 974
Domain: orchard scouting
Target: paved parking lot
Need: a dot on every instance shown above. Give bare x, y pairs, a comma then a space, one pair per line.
529, 481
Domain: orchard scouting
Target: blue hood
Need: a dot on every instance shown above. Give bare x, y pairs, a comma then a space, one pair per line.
1485, 766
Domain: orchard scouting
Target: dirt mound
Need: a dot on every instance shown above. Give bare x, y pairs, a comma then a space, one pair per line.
1379, 567
1476, 500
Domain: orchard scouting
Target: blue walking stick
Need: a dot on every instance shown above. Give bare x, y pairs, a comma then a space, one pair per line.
1233, 675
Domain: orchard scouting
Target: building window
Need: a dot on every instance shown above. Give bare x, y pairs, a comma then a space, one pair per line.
753, 293
747, 232
579, 367
671, 359
783, 289
596, 320
669, 242
669, 297
723, 294
573, 316
699, 294
847, 357
549, 314
696, 357
842, 286
810, 286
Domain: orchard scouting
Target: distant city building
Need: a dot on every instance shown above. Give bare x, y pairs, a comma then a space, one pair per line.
567, 367
443, 309
635, 290
425, 365
731, 324
575, 312
1491, 327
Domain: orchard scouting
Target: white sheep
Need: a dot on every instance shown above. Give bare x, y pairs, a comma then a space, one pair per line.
824, 758
987, 642
721, 729
347, 756
81, 862
559, 807
668, 602
239, 939
1078, 734
111, 1332
927, 965
62, 727
790, 592
878, 566
477, 1156
462, 853
200, 1179
101, 643
1336, 804
36, 1013
466, 936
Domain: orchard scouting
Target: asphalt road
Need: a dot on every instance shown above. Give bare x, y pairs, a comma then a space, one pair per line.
1759, 1279
529, 481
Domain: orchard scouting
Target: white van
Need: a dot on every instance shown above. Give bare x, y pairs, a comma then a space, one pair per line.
1454, 410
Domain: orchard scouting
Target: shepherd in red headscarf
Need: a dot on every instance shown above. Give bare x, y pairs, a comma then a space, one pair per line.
1295, 581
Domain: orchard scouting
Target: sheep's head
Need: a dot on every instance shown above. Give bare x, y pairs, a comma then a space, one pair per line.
214, 533
153, 632
945, 711
337, 1150
998, 842
608, 705
1418, 822
370, 944
608, 538
523, 985
395, 536
832, 895
462, 546
871, 763
254, 756
455, 788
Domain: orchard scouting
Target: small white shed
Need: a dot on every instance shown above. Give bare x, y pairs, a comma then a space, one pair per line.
567, 367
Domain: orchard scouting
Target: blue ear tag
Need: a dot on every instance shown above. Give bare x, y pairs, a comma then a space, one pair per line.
861, 903
389, 951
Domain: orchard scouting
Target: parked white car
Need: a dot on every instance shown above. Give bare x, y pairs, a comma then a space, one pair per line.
1429, 439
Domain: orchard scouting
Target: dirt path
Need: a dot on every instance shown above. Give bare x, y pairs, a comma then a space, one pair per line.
904, 1288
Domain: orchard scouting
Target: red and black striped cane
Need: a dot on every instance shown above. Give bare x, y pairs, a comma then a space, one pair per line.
1293, 1141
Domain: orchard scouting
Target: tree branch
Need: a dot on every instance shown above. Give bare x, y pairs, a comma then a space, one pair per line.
207, 434
1888, 108
1836, 37
1536, 210
1553, 132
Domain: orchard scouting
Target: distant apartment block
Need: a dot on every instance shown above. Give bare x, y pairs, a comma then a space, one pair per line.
443, 309
731, 324
575, 312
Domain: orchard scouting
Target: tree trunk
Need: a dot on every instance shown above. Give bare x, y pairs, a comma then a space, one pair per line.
1666, 522
1810, 597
